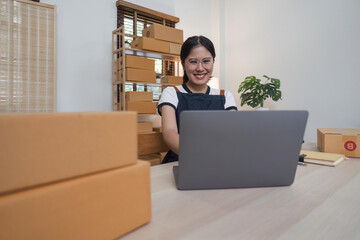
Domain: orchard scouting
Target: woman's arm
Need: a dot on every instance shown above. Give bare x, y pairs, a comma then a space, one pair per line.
169, 128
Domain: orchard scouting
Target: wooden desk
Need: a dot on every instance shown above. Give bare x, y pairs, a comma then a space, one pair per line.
323, 203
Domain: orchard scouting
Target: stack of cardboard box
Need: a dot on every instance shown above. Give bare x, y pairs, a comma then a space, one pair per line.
160, 38
151, 147
141, 102
138, 69
71, 176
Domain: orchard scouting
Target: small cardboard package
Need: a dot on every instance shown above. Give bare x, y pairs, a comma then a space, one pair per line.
164, 33
139, 96
140, 75
137, 62
154, 158
175, 48
343, 141
172, 80
141, 107
151, 44
151, 143
104, 205
38, 148
144, 127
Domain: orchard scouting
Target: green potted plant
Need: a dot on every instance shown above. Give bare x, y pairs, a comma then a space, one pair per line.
253, 93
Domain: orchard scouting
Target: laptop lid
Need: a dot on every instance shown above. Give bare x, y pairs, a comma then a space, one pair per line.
235, 149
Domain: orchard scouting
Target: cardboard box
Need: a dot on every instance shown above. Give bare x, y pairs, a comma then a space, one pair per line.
157, 129
144, 127
151, 143
139, 96
137, 62
175, 48
172, 80
154, 159
162, 155
105, 205
38, 148
343, 141
151, 45
141, 107
164, 33
154, 118
140, 75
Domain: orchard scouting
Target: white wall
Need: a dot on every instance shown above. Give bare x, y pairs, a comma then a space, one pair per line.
84, 54
311, 46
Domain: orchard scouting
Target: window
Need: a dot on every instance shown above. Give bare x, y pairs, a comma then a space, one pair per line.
27, 57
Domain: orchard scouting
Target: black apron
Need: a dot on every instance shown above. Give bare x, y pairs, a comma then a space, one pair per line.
194, 101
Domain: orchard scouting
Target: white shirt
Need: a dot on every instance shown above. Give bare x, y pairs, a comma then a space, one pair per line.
169, 97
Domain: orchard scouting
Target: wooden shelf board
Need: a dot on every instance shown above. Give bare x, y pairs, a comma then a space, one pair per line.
146, 83
148, 54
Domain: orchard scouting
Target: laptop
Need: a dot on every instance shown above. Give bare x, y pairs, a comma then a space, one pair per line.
238, 149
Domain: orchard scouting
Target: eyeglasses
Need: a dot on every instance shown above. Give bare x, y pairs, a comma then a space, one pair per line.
207, 62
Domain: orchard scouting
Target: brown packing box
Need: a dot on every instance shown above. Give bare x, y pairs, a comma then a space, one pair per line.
154, 159
38, 148
139, 96
162, 32
175, 48
162, 155
140, 75
343, 141
137, 62
172, 80
151, 45
144, 127
154, 118
157, 129
151, 143
141, 107
105, 205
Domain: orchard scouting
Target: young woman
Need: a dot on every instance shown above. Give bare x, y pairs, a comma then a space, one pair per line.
197, 58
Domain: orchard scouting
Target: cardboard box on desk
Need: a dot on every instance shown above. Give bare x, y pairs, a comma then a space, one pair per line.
154, 158
151, 143
141, 107
38, 148
151, 44
140, 75
144, 127
343, 141
164, 33
139, 96
137, 62
104, 205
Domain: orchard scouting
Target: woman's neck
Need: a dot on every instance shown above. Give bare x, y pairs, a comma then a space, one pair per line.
197, 88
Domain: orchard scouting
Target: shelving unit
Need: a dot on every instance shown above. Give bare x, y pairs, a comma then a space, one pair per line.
131, 19
118, 78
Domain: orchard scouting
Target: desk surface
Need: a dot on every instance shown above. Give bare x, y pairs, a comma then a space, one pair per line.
323, 203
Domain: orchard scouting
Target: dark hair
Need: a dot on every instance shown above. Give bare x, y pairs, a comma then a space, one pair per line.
189, 44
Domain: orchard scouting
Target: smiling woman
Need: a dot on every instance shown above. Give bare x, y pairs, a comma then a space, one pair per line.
197, 58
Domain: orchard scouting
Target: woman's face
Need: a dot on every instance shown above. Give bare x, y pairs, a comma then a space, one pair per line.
199, 65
